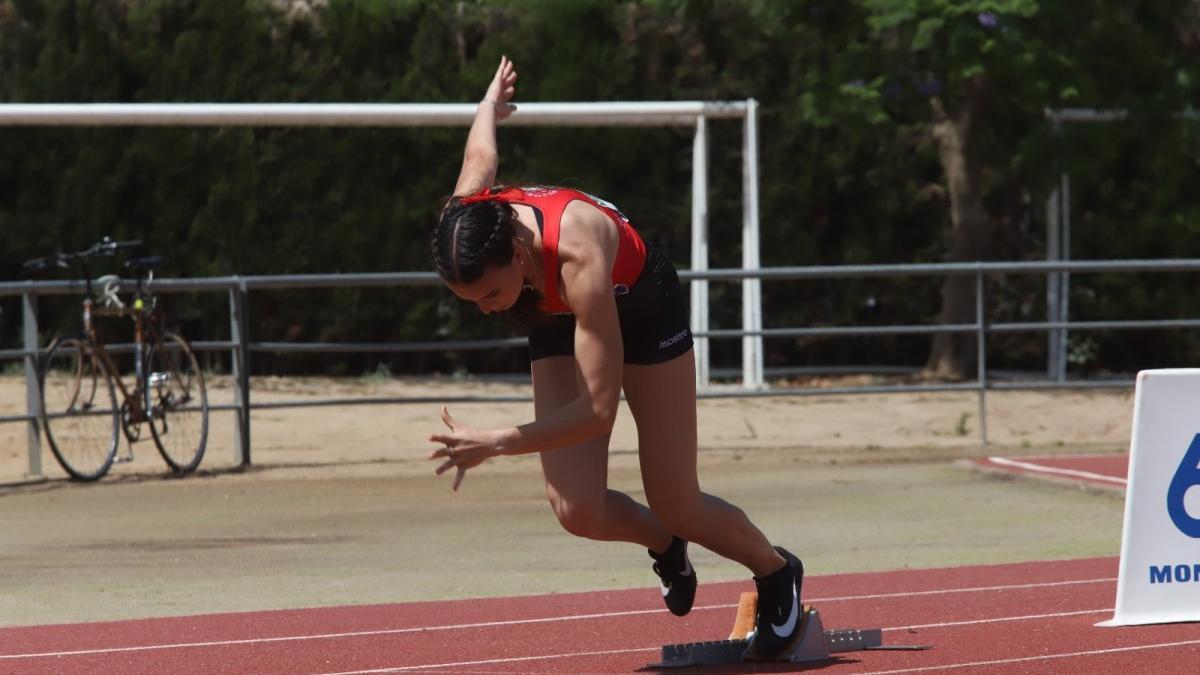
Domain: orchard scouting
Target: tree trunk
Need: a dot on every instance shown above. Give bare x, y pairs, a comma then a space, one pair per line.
954, 354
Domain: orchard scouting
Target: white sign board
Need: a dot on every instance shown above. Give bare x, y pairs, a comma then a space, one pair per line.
1159, 580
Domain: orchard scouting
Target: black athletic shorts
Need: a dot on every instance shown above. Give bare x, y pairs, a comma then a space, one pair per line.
653, 315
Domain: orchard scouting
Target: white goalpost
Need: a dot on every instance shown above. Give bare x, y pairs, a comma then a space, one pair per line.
670, 113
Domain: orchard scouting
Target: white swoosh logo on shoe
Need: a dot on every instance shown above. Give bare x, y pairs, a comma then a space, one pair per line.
685, 572
790, 625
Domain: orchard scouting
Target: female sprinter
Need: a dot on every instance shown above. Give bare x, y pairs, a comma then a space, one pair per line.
606, 313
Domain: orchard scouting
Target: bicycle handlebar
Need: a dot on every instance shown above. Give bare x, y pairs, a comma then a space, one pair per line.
105, 247
108, 247
39, 264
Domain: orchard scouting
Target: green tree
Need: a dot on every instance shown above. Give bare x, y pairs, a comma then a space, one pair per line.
890, 131
972, 79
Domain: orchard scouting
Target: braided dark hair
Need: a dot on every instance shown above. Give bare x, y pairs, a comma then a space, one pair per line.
473, 234
470, 237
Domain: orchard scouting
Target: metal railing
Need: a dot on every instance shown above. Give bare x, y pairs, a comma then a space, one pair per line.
240, 346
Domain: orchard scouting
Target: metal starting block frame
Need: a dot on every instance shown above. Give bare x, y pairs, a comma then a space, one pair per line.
814, 644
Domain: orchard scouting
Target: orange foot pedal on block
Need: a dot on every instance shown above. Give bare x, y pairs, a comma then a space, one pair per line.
743, 625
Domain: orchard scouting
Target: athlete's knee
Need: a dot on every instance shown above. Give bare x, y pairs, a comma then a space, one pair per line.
580, 517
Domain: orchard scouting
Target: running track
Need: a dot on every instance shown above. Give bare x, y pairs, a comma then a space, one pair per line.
1017, 618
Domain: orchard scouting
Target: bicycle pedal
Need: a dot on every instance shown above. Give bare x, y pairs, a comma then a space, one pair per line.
122, 460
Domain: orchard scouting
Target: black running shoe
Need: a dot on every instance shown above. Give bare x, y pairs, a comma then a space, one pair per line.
779, 609
678, 577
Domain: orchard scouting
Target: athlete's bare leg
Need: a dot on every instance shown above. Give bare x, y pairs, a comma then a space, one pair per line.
662, 398
577, 476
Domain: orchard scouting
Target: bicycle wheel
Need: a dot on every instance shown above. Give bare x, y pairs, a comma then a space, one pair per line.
176, 402
79, 409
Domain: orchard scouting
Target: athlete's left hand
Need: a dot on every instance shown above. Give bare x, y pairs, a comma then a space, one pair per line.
463, 447
502, 89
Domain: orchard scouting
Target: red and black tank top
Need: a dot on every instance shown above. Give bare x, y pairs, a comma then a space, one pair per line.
551, 202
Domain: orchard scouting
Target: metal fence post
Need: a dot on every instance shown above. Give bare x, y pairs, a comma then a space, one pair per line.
1064, 284
1053, 280
33, 396
981, 346
699, 287
239, 335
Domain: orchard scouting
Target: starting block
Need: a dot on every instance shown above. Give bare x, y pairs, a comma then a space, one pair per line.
813, 644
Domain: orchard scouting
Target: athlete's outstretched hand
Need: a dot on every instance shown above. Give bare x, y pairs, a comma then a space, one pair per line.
463, 447
503, 88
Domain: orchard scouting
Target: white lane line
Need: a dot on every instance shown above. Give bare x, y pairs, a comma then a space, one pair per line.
1026, 617
485, 662
943, 591
329, 636
1038, 468
1039, 657
516, 622
1076, 455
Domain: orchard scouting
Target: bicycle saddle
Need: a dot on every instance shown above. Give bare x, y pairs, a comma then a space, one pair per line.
151, 262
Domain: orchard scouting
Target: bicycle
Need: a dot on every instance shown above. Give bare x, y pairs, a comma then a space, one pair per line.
79, 380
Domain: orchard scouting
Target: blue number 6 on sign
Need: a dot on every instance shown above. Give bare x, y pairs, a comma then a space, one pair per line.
1186, 477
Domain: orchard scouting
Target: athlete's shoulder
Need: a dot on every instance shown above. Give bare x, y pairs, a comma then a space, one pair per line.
585, 225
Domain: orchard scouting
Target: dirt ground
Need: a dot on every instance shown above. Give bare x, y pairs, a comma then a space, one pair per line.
391, 438
341, 507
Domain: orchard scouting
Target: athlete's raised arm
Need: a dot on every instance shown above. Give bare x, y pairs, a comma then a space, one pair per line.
481, 157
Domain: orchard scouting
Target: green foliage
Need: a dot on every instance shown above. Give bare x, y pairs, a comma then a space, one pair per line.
849, 173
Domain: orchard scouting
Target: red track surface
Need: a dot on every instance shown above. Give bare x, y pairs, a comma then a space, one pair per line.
1020, 618
1105, 471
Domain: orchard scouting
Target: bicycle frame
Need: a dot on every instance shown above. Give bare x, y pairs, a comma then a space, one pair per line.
138, 402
